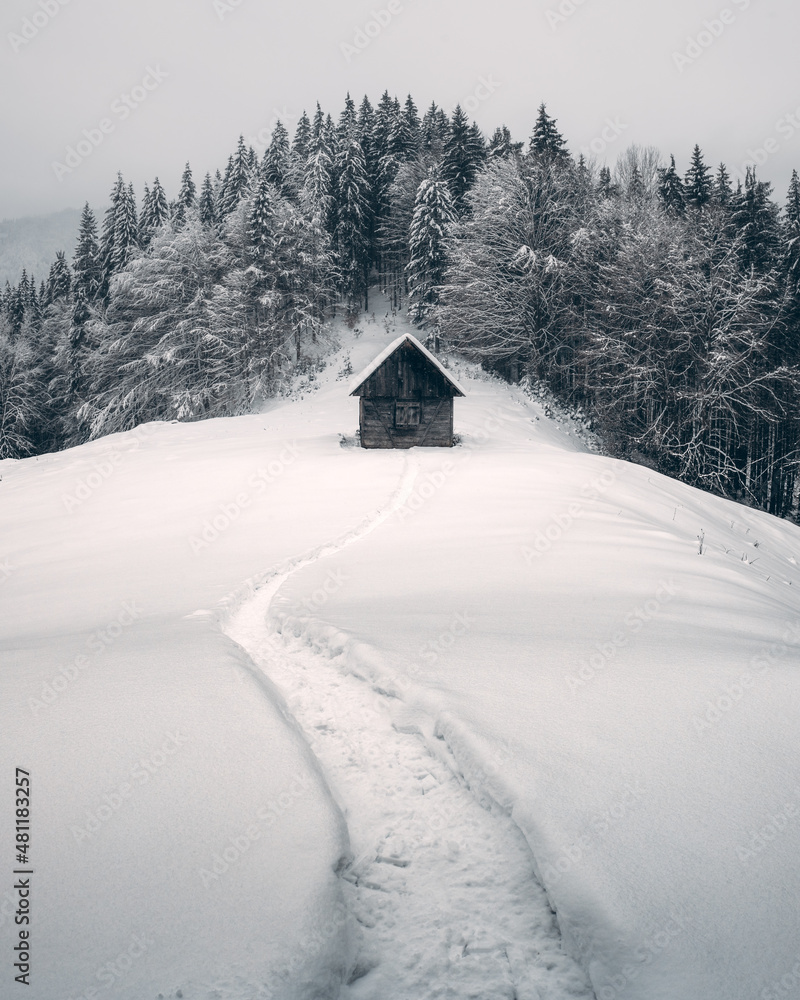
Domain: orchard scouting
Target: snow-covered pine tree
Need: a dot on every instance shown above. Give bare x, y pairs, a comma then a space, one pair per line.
25, 408
671, 191
792, 209
501, 145
404, 134
15, 308
146, 226
433, 214
302, 138
366, 122
756, 219
723, 190
207, 208
547, 145
237, 178
347, 129
107, 237
155, 212
385, 164
636, 190
791, 269
260, 224
461, 157
318, 193
187, 196
160, 355
130, 225
698, 184
276, 165
354, 218
37, 302
433, 131
606, 188
120, 237
59, 282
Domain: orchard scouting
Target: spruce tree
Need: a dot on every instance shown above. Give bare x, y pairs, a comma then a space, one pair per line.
501, 146
59, 282
698, 182
155, 212
756, 219
791, 263
412, 127
792, 209
187, 196
319, 192
276, 159
260, 223
159, 207
347, 129
221, 185
671, 191
606, 187
86, 260
108, 237
405, 132
461, 157
636, 188
37, 302
723, 191
366, 121
547, 144
302, 137
237, 178
15, 310
207, 208
146, 226
353, 224
433, 131
433, 213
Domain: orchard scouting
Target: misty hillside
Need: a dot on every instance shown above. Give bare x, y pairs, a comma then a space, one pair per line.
33, 241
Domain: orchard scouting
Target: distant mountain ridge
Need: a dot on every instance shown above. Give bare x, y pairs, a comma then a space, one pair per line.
31, 242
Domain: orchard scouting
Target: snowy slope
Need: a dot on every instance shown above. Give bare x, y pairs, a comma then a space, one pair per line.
635, 703
173, 799
516, 622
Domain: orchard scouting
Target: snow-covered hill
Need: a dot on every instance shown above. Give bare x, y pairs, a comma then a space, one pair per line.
298, 713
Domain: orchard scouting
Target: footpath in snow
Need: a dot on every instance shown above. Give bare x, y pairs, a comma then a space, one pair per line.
440, 888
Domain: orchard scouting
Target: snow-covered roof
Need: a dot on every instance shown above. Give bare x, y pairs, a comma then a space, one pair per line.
375, 364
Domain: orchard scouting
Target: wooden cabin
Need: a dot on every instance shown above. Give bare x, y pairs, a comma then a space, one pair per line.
406, 398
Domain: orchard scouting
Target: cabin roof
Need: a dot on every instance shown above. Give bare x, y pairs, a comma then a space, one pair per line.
375, 364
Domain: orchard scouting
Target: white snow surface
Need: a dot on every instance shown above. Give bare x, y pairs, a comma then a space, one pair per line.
452, 669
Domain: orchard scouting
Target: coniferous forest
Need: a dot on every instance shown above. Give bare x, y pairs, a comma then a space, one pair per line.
664, 306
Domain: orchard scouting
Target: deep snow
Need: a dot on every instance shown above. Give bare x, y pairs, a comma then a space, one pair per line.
516, 616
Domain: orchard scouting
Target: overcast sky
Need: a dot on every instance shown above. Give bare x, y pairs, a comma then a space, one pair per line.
197, 73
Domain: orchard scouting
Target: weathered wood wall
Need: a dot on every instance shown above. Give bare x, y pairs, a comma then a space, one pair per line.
435, 429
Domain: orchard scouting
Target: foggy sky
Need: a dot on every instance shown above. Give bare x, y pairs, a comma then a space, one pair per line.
178, 80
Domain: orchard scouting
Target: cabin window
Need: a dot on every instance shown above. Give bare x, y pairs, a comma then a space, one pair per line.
406, 414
